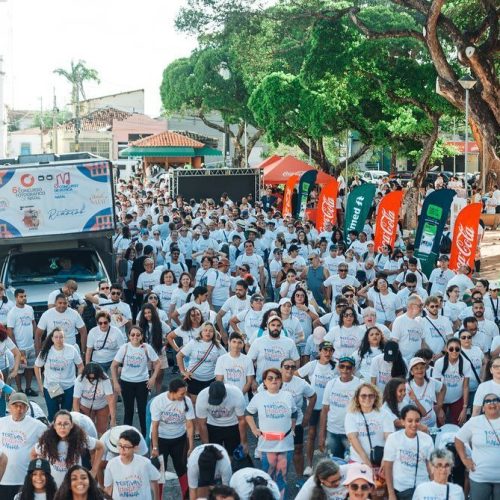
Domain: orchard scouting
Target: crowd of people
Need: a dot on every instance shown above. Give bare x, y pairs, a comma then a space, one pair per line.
247, 347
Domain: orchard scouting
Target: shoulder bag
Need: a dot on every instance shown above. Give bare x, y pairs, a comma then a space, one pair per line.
408, 494
205, 356
376, 452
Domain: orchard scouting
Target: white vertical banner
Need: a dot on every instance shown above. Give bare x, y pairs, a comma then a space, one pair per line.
456, 205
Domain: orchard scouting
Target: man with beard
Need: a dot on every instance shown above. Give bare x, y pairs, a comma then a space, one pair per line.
487, 329
233, 305
270, 350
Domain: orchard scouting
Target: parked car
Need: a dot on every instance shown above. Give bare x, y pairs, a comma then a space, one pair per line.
373, 176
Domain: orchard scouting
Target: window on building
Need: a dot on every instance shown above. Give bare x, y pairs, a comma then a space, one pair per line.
25, 148
100, 148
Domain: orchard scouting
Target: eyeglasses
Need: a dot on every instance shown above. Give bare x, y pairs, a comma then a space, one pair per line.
435, 306
345, 367
491, 401
299, 295
258, 299
272, 379
466, 337
125, 447
116, 293
289, 367
441, 466
342, 270
135, 334
103, 322
362, 487
62, 424
367, 396
454, 349
104, 287
154, 297
348, 315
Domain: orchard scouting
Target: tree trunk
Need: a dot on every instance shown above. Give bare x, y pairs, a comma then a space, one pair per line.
394, 160
489, 163
410, 208
337, 169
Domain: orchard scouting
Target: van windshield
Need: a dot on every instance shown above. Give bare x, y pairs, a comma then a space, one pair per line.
54, 267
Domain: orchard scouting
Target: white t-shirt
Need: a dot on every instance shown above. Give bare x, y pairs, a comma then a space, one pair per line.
60, 366
435, 491
275, 415
204, 307
479, 433
196, 350
440, 280
408, 333
135, 361
304, 319
223, 469
381, 371
171, 415
402, 452
226, 414
436, 332
149, 280
179, 297
463, 282
427, 397
377, 423
118, 311
85, 390
69, 321
234, 370
385, 305
221, 289
165, 292
234, 305
452, 310
5, 346
319, 375
20, 319
345, 340
16, 441
206, 277
338, 493
52, 297
131, 480
364, 364
476, 357
241, 482
250, 321
270, 352
489, 387
337, 283
452, 379
337, 396
104, 352
254, 261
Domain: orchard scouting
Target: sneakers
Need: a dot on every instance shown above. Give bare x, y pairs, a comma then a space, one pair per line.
308, 471
31, 392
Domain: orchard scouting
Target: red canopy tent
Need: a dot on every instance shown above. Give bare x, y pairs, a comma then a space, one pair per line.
281, 170
269, 161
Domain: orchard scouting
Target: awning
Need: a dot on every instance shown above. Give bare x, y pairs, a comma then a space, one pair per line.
206, 151
168, 152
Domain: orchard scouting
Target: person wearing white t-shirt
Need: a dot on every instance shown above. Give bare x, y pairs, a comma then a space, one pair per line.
207, 465
336, 282
222, 285
220, 411
455, 372
18, 434
475, 357
406, 455
235, 368
482, 435
69, 290
68, 320
437, 328
487, 329
338, 393
328, 477
248, 321
58, 360
441, 276
232, 306
347, 336
172, 428
149, 278
244, 481
407, 330
382, 299
491, 386
254, 261
130, 475
21, 328
135, 382
441, 463
462, 280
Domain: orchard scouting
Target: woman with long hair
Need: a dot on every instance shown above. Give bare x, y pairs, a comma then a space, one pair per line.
203, 353
276, 452
325, 483
155, 334
372, 345
388, 365
453, 306
93, 396
78, 484
59, 360
393, 266
135, 382
394, 400
403, 475
291, 324
180, 294
383, 299
38, 483
153, 299
6, 344
305, 247
366, 426
165, 290
346, 337
189, 329
455, 374
491, 384
305, 313
337, 236
319, 372
64, 444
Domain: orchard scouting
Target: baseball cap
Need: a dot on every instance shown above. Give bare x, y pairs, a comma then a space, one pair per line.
358, 471
495, 285
274, 317
416, 361
39, 464
347, 359
391, 350
284, 300
19, 397
216, 393
223, 262
325, 345
288, 260
444, 257
256, 296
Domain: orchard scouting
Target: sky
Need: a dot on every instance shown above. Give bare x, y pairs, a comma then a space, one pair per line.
129, 43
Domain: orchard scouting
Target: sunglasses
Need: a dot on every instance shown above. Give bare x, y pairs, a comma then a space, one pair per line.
491, 401
103, 322
272, 379
345, 367
454, 349
367, 396
362, 487
289, 367
342, 270
153, 297
349, 296
116, 293
466, 337
135, 335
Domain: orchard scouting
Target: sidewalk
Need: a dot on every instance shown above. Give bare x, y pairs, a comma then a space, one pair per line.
490, 256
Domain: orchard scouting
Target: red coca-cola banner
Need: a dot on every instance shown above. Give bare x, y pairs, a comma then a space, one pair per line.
386, 225
465, 234
327, 205
287, 195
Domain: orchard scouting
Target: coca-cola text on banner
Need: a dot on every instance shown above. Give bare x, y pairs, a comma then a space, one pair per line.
386, 226
327, 205
288, 194
465, 235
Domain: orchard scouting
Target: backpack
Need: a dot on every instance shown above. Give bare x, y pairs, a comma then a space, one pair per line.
122, 267
88, 315
445, 245
181, 264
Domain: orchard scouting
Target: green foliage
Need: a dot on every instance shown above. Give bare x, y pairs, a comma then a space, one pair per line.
45, 120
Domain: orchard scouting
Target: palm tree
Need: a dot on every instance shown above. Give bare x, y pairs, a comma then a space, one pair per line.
76, 76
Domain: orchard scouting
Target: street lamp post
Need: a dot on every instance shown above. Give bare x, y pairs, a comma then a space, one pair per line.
467, 83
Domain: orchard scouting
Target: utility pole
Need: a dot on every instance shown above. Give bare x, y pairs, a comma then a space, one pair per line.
3, 132
77, 119
41, 125
54, 124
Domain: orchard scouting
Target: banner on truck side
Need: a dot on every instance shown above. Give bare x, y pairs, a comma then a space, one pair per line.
52, 200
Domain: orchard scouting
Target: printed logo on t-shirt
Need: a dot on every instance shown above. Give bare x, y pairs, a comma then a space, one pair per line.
491, 438
276, 410
340, 399
58, 364
274, 354
220, 411
130, 487
13, 440
172, 416
408, 457
233, 374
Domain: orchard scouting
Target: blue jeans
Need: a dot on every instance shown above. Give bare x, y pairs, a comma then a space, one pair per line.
6, 390
337, 444
62, 402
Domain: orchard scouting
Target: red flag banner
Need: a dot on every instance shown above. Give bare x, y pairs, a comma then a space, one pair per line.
327, 205
287, 195
386, 225
465, 234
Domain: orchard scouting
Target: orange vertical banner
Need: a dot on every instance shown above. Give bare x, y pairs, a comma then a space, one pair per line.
327, 205
386, 225
287, 195
465, 234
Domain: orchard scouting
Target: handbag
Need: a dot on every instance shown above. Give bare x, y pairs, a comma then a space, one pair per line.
376, 452
55, 390
408, 493
103, 345
205, 356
